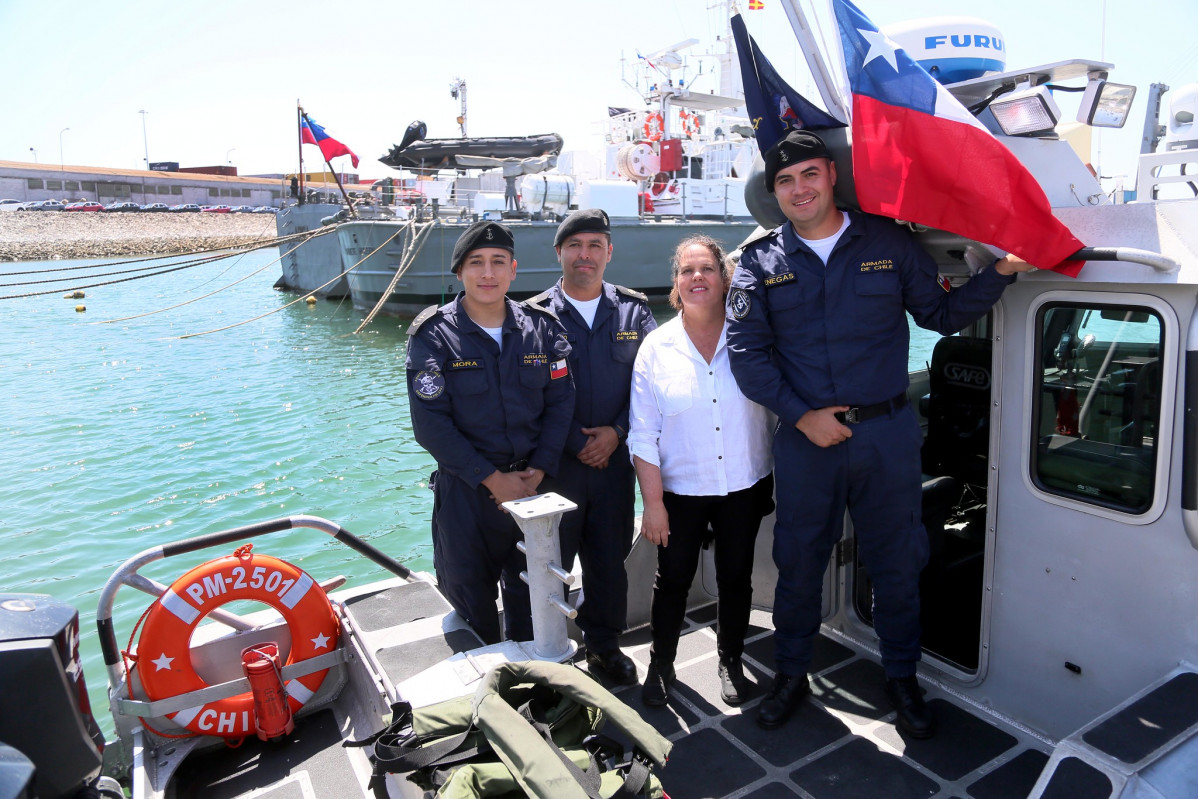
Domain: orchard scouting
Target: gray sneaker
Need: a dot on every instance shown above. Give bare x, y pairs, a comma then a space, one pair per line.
734, 688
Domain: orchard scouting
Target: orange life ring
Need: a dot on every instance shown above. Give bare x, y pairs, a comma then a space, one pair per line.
690, 123
164, 648
653, 127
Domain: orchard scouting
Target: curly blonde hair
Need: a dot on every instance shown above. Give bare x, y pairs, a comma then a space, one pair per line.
717, 251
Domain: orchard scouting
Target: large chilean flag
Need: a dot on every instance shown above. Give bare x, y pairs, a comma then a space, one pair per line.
330, 148
919, 156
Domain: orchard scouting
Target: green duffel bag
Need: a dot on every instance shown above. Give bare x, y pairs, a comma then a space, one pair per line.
531, 729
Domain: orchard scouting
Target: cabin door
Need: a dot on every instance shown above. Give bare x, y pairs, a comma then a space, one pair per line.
954, 400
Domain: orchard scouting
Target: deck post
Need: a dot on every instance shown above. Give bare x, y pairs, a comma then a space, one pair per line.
538, 518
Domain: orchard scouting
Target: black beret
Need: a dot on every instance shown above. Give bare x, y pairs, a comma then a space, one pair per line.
588, 220
479, 235
798, 146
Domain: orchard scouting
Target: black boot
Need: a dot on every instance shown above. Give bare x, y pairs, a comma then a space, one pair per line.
914, 716
734, 688
783, 698
656, 690
618, 667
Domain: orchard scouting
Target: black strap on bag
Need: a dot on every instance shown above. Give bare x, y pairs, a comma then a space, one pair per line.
601, 748
590, 779
397, 748
637, 776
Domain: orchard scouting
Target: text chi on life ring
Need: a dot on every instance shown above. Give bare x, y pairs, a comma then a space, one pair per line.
164, 648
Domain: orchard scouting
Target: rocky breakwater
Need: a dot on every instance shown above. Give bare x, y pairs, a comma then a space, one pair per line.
53, 235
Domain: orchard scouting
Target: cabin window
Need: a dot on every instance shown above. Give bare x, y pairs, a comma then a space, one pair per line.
1098, 408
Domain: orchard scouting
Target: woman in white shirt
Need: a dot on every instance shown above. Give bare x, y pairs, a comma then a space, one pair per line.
702, 457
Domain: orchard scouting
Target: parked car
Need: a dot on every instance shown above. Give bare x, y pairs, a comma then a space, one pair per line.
42, 205
125, 206
184, 207
265, 209
10, 205
84, 205
155, 207
214, 209
241, 209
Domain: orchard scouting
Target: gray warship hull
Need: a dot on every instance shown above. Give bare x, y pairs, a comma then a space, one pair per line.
372, 251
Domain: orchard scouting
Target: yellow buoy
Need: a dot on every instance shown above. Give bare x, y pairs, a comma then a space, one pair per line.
310, 300
80, 308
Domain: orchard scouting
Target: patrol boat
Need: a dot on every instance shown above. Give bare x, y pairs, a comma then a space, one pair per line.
674, 170
1060, 650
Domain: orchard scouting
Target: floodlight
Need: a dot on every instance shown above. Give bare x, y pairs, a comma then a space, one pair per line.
1105, 104
1027, 112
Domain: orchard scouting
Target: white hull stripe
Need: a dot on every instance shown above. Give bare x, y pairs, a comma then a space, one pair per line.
185, 717
179, 606
297, 592
298, 691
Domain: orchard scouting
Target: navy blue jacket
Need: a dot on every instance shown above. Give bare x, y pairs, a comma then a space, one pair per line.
476, 409
601, 356
803, 336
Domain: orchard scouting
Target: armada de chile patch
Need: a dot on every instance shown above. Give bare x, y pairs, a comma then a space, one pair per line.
428, 385
740, 303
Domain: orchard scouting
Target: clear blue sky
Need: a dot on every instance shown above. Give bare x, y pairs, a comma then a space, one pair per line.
220, 79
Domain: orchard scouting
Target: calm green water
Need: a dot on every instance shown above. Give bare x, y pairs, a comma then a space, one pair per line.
119, 437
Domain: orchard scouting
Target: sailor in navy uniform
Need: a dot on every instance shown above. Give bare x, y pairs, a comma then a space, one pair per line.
491, 399
605, 325
817, 334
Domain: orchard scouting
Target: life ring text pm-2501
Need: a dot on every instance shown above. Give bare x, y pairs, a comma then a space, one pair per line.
164, 656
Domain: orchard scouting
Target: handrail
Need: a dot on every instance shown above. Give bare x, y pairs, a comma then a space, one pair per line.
127, 571
1159, 262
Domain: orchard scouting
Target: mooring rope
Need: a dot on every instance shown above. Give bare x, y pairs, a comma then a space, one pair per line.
414, 246
204, 296
254, 244
298, 299
167, 271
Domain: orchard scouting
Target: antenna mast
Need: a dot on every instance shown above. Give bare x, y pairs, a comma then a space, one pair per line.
457, 90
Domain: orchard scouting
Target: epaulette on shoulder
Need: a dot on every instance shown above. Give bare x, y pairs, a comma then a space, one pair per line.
420, 319
531, 305
537, 300
636, 295
756, 237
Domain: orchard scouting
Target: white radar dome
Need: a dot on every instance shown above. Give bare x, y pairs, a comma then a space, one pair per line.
952, 49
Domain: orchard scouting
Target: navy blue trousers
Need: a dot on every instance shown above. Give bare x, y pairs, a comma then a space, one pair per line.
474, 551
875, 475
599, 533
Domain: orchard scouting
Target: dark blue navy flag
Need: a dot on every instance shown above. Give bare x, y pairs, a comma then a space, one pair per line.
773, 106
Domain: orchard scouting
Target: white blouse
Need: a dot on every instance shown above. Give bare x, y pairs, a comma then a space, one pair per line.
688, 417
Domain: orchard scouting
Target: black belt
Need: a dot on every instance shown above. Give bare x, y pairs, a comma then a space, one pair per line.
514, 466
863, 413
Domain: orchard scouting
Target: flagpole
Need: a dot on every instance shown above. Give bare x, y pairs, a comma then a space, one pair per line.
299, 134
337, 180
830, 89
